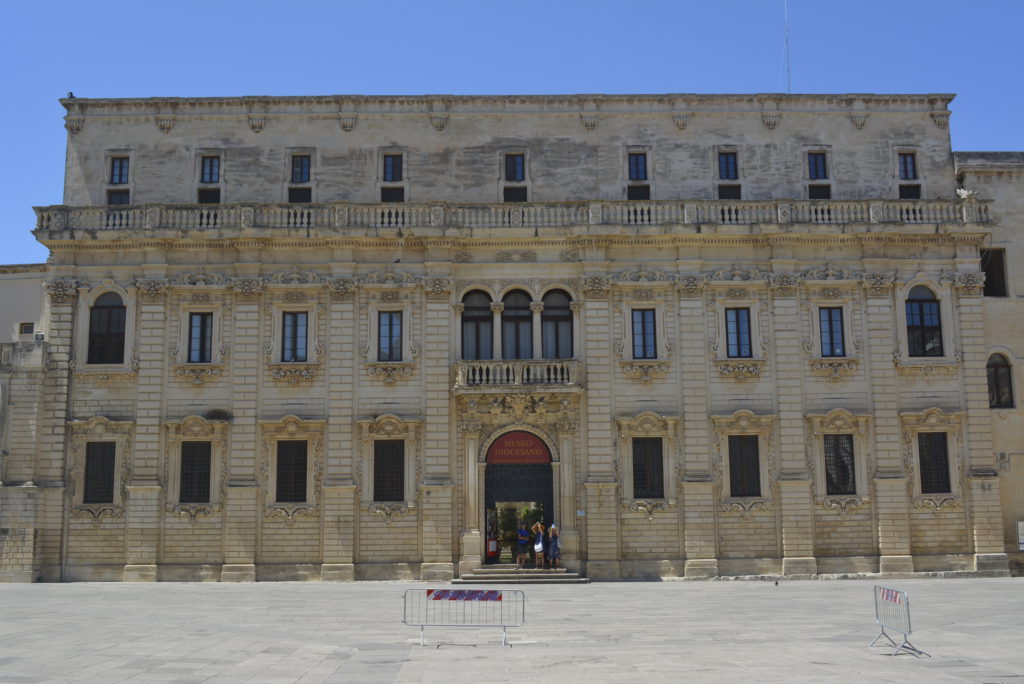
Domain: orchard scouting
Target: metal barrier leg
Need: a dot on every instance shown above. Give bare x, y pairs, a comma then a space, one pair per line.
504, 636
880, 635
421, 635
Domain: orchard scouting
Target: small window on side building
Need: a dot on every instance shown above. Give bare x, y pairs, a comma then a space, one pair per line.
99, 472
744, 466
300, 168
392, 168
389, 470
291, 471
816, 166
195, 472
515, 168
728, 169
637, 166
933, 457
648, 470
210, 170
26, 328
119, 170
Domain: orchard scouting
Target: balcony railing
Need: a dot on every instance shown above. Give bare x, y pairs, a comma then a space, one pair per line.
512, 373
547, 215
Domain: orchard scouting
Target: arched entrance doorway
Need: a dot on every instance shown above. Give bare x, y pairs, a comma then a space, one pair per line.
518, 482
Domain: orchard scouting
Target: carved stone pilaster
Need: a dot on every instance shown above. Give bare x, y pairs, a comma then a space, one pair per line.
62, 290
437, 288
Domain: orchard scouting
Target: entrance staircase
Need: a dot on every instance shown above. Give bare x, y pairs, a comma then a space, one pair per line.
508, 573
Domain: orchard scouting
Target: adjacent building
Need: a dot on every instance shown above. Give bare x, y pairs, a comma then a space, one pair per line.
323, 338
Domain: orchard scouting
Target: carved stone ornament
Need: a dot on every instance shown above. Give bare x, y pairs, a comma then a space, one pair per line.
746, 508
247, 287
570, 255
858, 119
74, 124
96, 512
389, 276
516, 257
390, 373
462, 257
296, 278
388, 511
199, 278
348, 122
61, 291
739, 369
294, 297
644, 371
341, 288
165, 123
680, 120
200, 298
785, 284
938, 503
256, 122
389, 426
827, 272
737, 274
830, 292
648, 508
834, 369
879, 284
970, 283
692, 283
771, 119
843, 504
293, 374
642, 275
198, 374
589, 120
192, 511
596, 287
437, 288
926, 366
390, 296
940, 119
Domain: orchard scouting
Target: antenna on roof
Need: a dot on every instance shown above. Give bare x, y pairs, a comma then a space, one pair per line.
789, 73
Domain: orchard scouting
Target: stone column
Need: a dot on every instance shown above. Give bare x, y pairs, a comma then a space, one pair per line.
890, 478
982, 479
601, 488
794, 487
143, 514
698, 505
340, 514
473, 539
242, 506
496, 309
536, 308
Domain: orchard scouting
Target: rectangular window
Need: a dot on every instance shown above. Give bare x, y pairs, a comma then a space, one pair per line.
727, 167
910, 192
933, 454
210, 195
816, 168
300, 168
638, 192
118, 197
819, 192
830, 321
294, 329
291, 470
195, 472
392, 194
840, 477
729, 192
26, 328
119, 170
389, 336
993, 263
908, 166
392, 168
300, 195
515, 168
389, 470
744, 466
924, 327
737, 332
211, 170
644, 329
517, 194
200, 337
99, 472
637, 166
648, 474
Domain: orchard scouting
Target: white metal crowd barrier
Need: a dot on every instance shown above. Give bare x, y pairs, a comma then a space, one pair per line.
465, 608
892, 611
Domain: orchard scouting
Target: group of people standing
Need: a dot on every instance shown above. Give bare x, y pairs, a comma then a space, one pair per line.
537, 545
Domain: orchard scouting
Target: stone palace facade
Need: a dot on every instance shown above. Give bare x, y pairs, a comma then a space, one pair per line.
320, 337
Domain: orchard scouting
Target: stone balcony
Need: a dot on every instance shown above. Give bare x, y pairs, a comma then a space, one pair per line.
501, 376
447, 218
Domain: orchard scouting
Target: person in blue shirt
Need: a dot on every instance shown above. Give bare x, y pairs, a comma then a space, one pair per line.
522, 545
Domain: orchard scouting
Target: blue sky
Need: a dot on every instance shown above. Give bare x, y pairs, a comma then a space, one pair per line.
104, 48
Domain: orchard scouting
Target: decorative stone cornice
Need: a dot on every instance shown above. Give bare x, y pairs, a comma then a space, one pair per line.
691, 284
388, 511
199, 373
62, 290
596, 287
925, 365
843, 504
739, 369
648, 508
516, 257
833, 368
247, 288
879, 284
192, 511
342, 288
150, 288
390, 373
644, 371
785, 284
293, 373
745, 507
437, 288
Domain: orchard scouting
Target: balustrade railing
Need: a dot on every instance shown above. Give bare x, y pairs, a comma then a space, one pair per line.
510, 215
519, 372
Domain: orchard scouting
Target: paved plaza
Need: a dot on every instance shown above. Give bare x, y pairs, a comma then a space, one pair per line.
754, 631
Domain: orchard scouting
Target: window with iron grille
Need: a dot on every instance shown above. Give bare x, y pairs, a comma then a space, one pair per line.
737, 333
637, 166
514, 194
993, 263
908, 166
392, 194
389, 335
294, 330
515, 168
727, 166
477, 327
119, 170
933, 455
645, 344
648, 473
389, 470
115, 197
729, 192
300, 168
924, 323
106, 329
830, 321
210, 170
840, 476
392, 168
816, 166
200, 337
99, 472
291, 470
744, 466
194, 486
1000, 382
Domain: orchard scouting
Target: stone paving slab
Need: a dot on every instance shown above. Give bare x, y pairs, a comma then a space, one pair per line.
795, 631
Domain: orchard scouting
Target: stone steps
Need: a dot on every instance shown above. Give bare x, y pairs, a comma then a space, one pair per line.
510, 574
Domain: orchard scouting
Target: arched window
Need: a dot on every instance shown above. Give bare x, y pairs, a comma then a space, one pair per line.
477, 327
556, 326
1000, 382
924, 323
516, 326
106, 329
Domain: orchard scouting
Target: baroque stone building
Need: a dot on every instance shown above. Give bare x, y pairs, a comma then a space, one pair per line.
321, 337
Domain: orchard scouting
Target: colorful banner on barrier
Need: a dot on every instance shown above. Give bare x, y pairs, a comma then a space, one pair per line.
463, 595
890, 595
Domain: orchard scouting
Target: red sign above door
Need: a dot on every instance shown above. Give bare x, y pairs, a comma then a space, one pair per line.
518, 448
